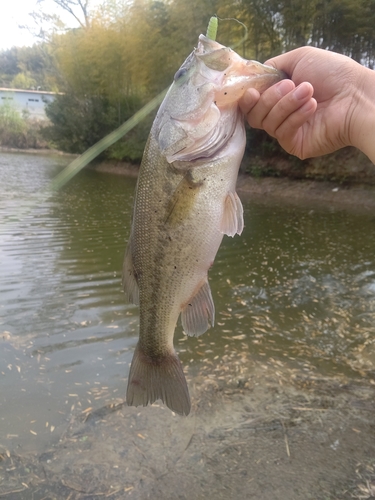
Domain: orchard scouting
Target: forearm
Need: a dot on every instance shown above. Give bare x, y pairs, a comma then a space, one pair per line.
363, 121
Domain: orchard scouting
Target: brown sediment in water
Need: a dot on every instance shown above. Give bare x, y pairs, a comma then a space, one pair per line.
258, 429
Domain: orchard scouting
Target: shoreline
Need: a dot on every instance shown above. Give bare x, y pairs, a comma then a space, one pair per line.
314, 193
44, 152
359, 197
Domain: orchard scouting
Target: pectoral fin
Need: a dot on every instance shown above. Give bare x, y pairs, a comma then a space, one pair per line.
129, 281
199, 313
232, 222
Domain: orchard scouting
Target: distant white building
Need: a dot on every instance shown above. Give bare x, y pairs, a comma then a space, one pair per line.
32, 102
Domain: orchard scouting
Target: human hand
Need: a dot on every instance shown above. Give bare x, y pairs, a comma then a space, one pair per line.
329, 103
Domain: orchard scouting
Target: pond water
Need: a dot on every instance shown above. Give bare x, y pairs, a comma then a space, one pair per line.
297, 286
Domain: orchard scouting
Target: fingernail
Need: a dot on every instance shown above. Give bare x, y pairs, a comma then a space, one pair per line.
284, 87
301, 92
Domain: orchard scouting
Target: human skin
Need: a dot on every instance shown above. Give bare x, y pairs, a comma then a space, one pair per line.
328, 103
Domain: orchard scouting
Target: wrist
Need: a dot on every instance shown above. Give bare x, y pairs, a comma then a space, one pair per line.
363, 118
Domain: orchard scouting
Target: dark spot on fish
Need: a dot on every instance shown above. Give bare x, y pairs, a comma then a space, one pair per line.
225, 93
191, 305
175, 267
136, 275
181, 72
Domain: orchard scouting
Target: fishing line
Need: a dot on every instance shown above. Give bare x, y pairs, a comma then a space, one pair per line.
246, 35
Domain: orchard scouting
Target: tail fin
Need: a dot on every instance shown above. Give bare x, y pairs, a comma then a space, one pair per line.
163, 379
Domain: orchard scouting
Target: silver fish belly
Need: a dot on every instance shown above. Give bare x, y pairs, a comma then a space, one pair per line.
185, 202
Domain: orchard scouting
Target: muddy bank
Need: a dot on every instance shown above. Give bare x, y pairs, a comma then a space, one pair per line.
116, 168
32, 151
352, 191
347, 165
311, 193
268, 189
258, 429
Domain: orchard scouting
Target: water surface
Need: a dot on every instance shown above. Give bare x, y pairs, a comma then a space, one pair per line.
297, 286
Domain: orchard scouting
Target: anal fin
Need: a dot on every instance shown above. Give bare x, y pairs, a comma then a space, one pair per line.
129, 281
199, 312
232, 222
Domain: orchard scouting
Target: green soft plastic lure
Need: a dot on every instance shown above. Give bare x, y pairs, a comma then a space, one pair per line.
212, 28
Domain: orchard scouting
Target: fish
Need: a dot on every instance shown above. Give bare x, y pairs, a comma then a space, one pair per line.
185, 202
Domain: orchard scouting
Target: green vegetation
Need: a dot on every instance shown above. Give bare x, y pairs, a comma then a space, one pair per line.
30, 67
124, 53
17, 131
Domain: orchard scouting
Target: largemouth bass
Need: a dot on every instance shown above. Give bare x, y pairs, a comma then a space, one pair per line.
185, 202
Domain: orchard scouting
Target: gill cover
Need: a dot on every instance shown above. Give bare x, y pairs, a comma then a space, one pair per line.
200, 111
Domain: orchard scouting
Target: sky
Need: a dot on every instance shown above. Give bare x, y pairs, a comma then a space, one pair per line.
15, 13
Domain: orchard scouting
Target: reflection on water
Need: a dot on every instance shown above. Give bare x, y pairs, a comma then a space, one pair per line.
63, 317
298, 285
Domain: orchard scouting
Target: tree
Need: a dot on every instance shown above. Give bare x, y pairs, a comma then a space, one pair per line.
29, 67
297, 22
48, 21
78, 123
122, 53
78, 9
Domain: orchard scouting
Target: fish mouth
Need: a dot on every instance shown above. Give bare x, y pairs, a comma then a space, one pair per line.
206, 45
220, 58
255, 68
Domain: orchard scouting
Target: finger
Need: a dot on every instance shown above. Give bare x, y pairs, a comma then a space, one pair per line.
269, 99
286, 106
295, 120
291, 134
248, 101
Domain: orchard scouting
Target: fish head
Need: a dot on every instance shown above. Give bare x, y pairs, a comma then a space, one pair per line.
200, 111
238, 74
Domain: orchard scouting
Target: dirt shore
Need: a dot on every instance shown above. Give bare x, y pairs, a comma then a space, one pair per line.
258, 430
356, 197
33, 151
351, 195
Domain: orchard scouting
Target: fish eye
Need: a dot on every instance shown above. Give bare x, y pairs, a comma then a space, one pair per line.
181, 72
